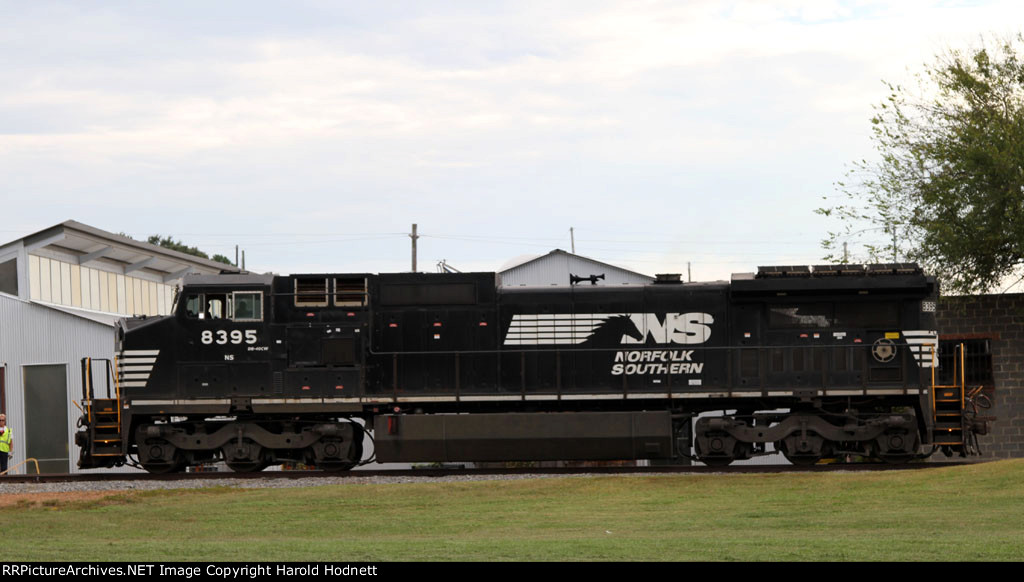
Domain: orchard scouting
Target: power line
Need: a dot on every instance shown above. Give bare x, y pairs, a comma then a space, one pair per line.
268, 234
699, 242
294, 242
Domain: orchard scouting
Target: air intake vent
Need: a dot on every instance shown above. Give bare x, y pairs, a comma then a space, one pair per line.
826, 270
350, 292
311, 292
668, 278
775, 272
850, 270
894, 269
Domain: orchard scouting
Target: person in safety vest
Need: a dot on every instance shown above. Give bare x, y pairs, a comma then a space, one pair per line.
6, 442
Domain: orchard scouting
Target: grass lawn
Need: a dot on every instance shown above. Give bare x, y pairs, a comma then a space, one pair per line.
973, 512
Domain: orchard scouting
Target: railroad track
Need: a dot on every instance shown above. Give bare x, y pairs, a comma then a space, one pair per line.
464, 472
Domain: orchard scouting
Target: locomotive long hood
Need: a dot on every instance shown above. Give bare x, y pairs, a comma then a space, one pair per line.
833, 285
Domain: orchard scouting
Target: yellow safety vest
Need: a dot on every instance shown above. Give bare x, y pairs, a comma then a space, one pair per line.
5, 440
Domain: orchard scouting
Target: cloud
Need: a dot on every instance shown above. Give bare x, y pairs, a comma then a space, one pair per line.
520, 118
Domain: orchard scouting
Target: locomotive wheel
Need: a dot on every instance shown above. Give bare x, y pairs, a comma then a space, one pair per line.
329, 450
896, 447
896, 459
244, 457
174, 466
335, 467
344, 465
717, 460
355, 455
802, 460
803, 451
161, 468
163, 457
246, 467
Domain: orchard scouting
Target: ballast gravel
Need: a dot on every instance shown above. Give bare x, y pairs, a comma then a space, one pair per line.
251, 483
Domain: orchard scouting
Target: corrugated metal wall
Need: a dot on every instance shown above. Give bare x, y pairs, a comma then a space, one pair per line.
31, 334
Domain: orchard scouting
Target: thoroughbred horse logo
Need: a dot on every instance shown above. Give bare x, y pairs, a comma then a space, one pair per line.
614, 331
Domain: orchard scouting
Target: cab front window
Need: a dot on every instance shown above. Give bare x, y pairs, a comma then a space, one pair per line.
193, 305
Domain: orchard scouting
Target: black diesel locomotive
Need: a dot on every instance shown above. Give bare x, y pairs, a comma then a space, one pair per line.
259, 370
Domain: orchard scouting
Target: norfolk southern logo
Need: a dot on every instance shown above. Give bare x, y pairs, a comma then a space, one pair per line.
603, 329
135, 367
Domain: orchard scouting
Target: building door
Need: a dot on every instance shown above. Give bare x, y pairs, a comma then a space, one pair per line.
46, 413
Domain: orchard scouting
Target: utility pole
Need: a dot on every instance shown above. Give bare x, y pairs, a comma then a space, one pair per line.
846, 256
572, 239
414, 236
236, 255
689, 275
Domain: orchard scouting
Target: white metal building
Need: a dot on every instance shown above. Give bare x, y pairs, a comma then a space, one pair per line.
556, 268
61, 291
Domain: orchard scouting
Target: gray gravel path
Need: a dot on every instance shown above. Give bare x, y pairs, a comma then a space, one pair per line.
6, 488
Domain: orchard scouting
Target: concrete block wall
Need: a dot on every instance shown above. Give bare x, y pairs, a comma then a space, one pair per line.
999, 318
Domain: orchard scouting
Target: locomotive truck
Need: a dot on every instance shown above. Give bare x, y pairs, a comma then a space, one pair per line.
259, 370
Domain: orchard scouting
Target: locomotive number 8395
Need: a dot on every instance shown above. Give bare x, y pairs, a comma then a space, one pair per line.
257, 370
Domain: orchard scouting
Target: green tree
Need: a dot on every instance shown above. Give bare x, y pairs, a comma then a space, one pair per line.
948, 187
169, 243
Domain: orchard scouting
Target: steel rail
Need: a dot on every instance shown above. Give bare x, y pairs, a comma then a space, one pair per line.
463, 472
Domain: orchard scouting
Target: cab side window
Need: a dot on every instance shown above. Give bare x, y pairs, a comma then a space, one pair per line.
217, 306
248, 306
207, 305
235, 306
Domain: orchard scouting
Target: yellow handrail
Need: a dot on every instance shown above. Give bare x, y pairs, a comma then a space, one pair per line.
963, 373
117, 391
9, 469
935, 364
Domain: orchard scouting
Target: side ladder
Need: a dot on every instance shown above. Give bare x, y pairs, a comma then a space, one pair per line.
101, 439
956, 422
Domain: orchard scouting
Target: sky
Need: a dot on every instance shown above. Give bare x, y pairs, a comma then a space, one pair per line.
668, 136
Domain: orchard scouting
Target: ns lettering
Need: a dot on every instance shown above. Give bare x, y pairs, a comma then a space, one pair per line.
677, 328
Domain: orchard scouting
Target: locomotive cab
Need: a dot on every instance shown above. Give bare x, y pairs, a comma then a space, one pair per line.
223, 378
225, 339
216, 342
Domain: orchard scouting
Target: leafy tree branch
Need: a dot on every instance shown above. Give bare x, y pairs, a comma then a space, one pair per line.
948, 183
